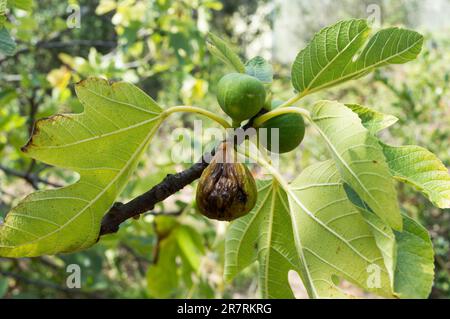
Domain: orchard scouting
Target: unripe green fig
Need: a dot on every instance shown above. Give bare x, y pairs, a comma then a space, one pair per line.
291, 130
241, 96
226, 189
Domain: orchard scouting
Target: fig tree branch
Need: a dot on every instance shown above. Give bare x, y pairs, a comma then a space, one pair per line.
171, 184
29, 177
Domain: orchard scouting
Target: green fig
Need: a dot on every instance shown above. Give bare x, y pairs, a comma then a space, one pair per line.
241, 96
291, 131
226, 189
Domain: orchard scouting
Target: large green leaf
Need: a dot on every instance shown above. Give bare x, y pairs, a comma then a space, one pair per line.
334, 240
103, 145
420, 168
221, 50
336, 235
265, 234
359, 159
408, 255
336, 54
410, 164
415, 261
383, 234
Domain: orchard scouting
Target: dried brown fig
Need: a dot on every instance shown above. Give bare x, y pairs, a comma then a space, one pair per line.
226, 189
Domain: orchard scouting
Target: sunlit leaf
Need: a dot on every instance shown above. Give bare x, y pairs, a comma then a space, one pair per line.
415, 261
408, 255
372, 120
265, 234
334, 240
340, 53
359, 159
422, 169
103, 144
410, 164
105, 6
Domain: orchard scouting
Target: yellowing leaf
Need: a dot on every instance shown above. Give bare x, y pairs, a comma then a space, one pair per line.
103, 145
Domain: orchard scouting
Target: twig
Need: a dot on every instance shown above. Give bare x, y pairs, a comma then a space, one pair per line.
30, 178
171, 184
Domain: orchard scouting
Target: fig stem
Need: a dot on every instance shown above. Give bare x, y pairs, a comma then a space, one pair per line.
193, 109
236, 124
294, 99
279, 111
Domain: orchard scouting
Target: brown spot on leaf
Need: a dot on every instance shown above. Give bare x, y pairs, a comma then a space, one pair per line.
36, 129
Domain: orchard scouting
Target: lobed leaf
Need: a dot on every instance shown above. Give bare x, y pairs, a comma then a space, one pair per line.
384, 236
265, 234
359, 159
411, 164
337, 54
103, 145
334, 240
422, 169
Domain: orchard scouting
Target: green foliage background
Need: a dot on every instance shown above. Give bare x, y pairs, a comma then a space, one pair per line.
160, 46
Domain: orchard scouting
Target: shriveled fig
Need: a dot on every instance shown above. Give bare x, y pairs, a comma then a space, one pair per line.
226, 189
